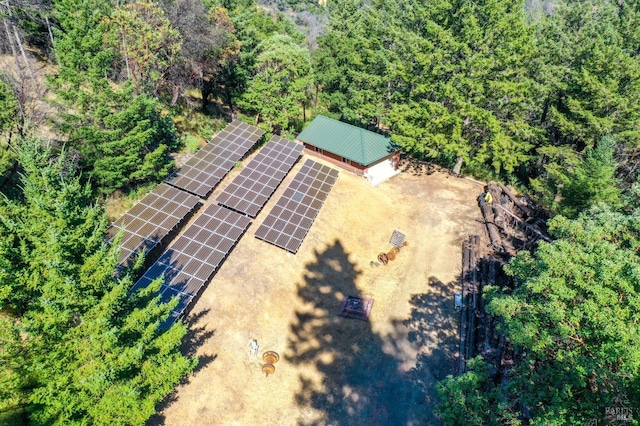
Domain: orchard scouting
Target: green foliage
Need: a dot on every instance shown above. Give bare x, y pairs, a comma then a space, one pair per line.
112, 368
592, 181
143, 36
8, 120
572, 311
82, 350
13, 386
124, 145
83, 59
8, 108
451, 80
352, 64
472, 398
282, 78
574, 183
590, 78
487, 82
252, 26
123, 139
48, 231
191, 143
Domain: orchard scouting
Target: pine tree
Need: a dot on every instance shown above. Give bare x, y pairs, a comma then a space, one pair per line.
123, 139
8, 120
592, 181
90, 351
282, 76
572, 312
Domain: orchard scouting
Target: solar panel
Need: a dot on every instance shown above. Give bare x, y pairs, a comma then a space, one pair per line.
288, 222
195, 256
202, 172
255, 184
151, 220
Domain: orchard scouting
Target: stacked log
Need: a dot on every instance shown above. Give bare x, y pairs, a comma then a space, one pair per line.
492, 228
511, 225
470, 299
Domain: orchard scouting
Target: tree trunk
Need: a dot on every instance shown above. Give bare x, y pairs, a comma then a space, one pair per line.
176, 94
205, 91
458, 166
126, 58
19, 43
13, 47
46, 18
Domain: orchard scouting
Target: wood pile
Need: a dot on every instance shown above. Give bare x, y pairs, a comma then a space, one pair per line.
470, 296
478, 329
512, 225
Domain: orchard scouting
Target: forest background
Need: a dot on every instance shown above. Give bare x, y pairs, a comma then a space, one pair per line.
544, 96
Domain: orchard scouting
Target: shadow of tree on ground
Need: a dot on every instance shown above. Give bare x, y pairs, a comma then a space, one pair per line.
351, 374
196, 337
434, 327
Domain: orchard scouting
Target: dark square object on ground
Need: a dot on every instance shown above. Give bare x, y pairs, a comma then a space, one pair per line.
356, 307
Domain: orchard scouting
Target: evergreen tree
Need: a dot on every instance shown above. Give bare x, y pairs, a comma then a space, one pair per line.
8, 118
473, 399
352, 64
8, 110
592, 181
282, 76
123, 139
147, 42
89, 352
252, 26
450, 79
571, 317
123, 143
589, 76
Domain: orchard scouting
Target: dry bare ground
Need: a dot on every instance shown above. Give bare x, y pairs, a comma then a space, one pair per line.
34, 96
334, 370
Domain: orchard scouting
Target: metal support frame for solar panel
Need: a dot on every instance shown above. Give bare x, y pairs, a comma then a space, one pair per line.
192, 260
288, 222
148, 223
252, 188
204, 171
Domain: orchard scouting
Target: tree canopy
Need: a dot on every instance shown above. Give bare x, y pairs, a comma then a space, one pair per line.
572, 311
79, 347
544, 95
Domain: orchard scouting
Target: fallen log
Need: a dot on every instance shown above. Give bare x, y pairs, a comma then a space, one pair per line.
492, 229
526, 210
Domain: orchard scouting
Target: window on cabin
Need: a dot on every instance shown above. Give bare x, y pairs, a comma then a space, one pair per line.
318, 150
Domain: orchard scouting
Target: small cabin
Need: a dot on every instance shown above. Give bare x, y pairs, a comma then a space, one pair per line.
360, 151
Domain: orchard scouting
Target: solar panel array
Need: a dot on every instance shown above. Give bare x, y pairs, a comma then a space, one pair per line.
202, 172
288, 222
251, 189
195, 256
149, 222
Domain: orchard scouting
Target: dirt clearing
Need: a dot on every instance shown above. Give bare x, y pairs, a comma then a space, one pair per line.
334, 370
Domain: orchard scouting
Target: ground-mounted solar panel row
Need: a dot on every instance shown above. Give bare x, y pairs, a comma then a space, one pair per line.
255, 184
202, 172
195, 256
288, 222
148, 223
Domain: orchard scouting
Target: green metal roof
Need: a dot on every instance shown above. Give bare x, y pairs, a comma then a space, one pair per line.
356, 144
